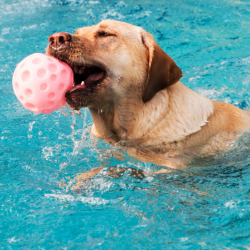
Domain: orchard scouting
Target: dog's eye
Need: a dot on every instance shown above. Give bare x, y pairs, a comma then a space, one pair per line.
104, 34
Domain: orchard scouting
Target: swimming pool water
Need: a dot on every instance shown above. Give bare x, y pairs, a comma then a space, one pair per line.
200, 208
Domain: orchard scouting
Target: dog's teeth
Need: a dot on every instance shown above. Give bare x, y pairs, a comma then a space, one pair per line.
82, 83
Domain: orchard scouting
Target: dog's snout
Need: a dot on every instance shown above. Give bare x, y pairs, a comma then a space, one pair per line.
59, 39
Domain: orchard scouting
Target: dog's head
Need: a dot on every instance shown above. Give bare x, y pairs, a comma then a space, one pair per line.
112, 61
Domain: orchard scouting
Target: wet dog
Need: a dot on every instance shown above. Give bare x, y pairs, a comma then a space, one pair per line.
132, 89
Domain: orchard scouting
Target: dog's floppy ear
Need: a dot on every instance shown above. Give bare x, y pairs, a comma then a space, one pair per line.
162, 70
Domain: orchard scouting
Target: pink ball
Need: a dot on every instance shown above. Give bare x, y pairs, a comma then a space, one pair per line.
40, 83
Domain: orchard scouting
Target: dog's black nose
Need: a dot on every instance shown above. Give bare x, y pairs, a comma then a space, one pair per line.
59, 40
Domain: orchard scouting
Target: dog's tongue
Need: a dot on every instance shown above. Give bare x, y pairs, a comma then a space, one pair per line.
91, 79
94, 77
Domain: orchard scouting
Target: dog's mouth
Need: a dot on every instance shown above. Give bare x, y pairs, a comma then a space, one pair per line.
87, 77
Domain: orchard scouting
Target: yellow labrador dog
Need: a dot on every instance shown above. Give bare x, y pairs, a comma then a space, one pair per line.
132, 89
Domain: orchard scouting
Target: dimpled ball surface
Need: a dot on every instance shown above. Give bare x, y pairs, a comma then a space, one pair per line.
40, 83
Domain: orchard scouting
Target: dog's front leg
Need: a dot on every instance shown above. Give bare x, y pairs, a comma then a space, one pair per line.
82, 178
114, 172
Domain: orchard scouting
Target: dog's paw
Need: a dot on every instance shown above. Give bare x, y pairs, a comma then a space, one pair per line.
82, 179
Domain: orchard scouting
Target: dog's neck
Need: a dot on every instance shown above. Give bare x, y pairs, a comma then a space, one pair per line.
171, 116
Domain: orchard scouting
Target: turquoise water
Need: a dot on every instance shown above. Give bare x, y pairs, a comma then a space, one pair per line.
40, 155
